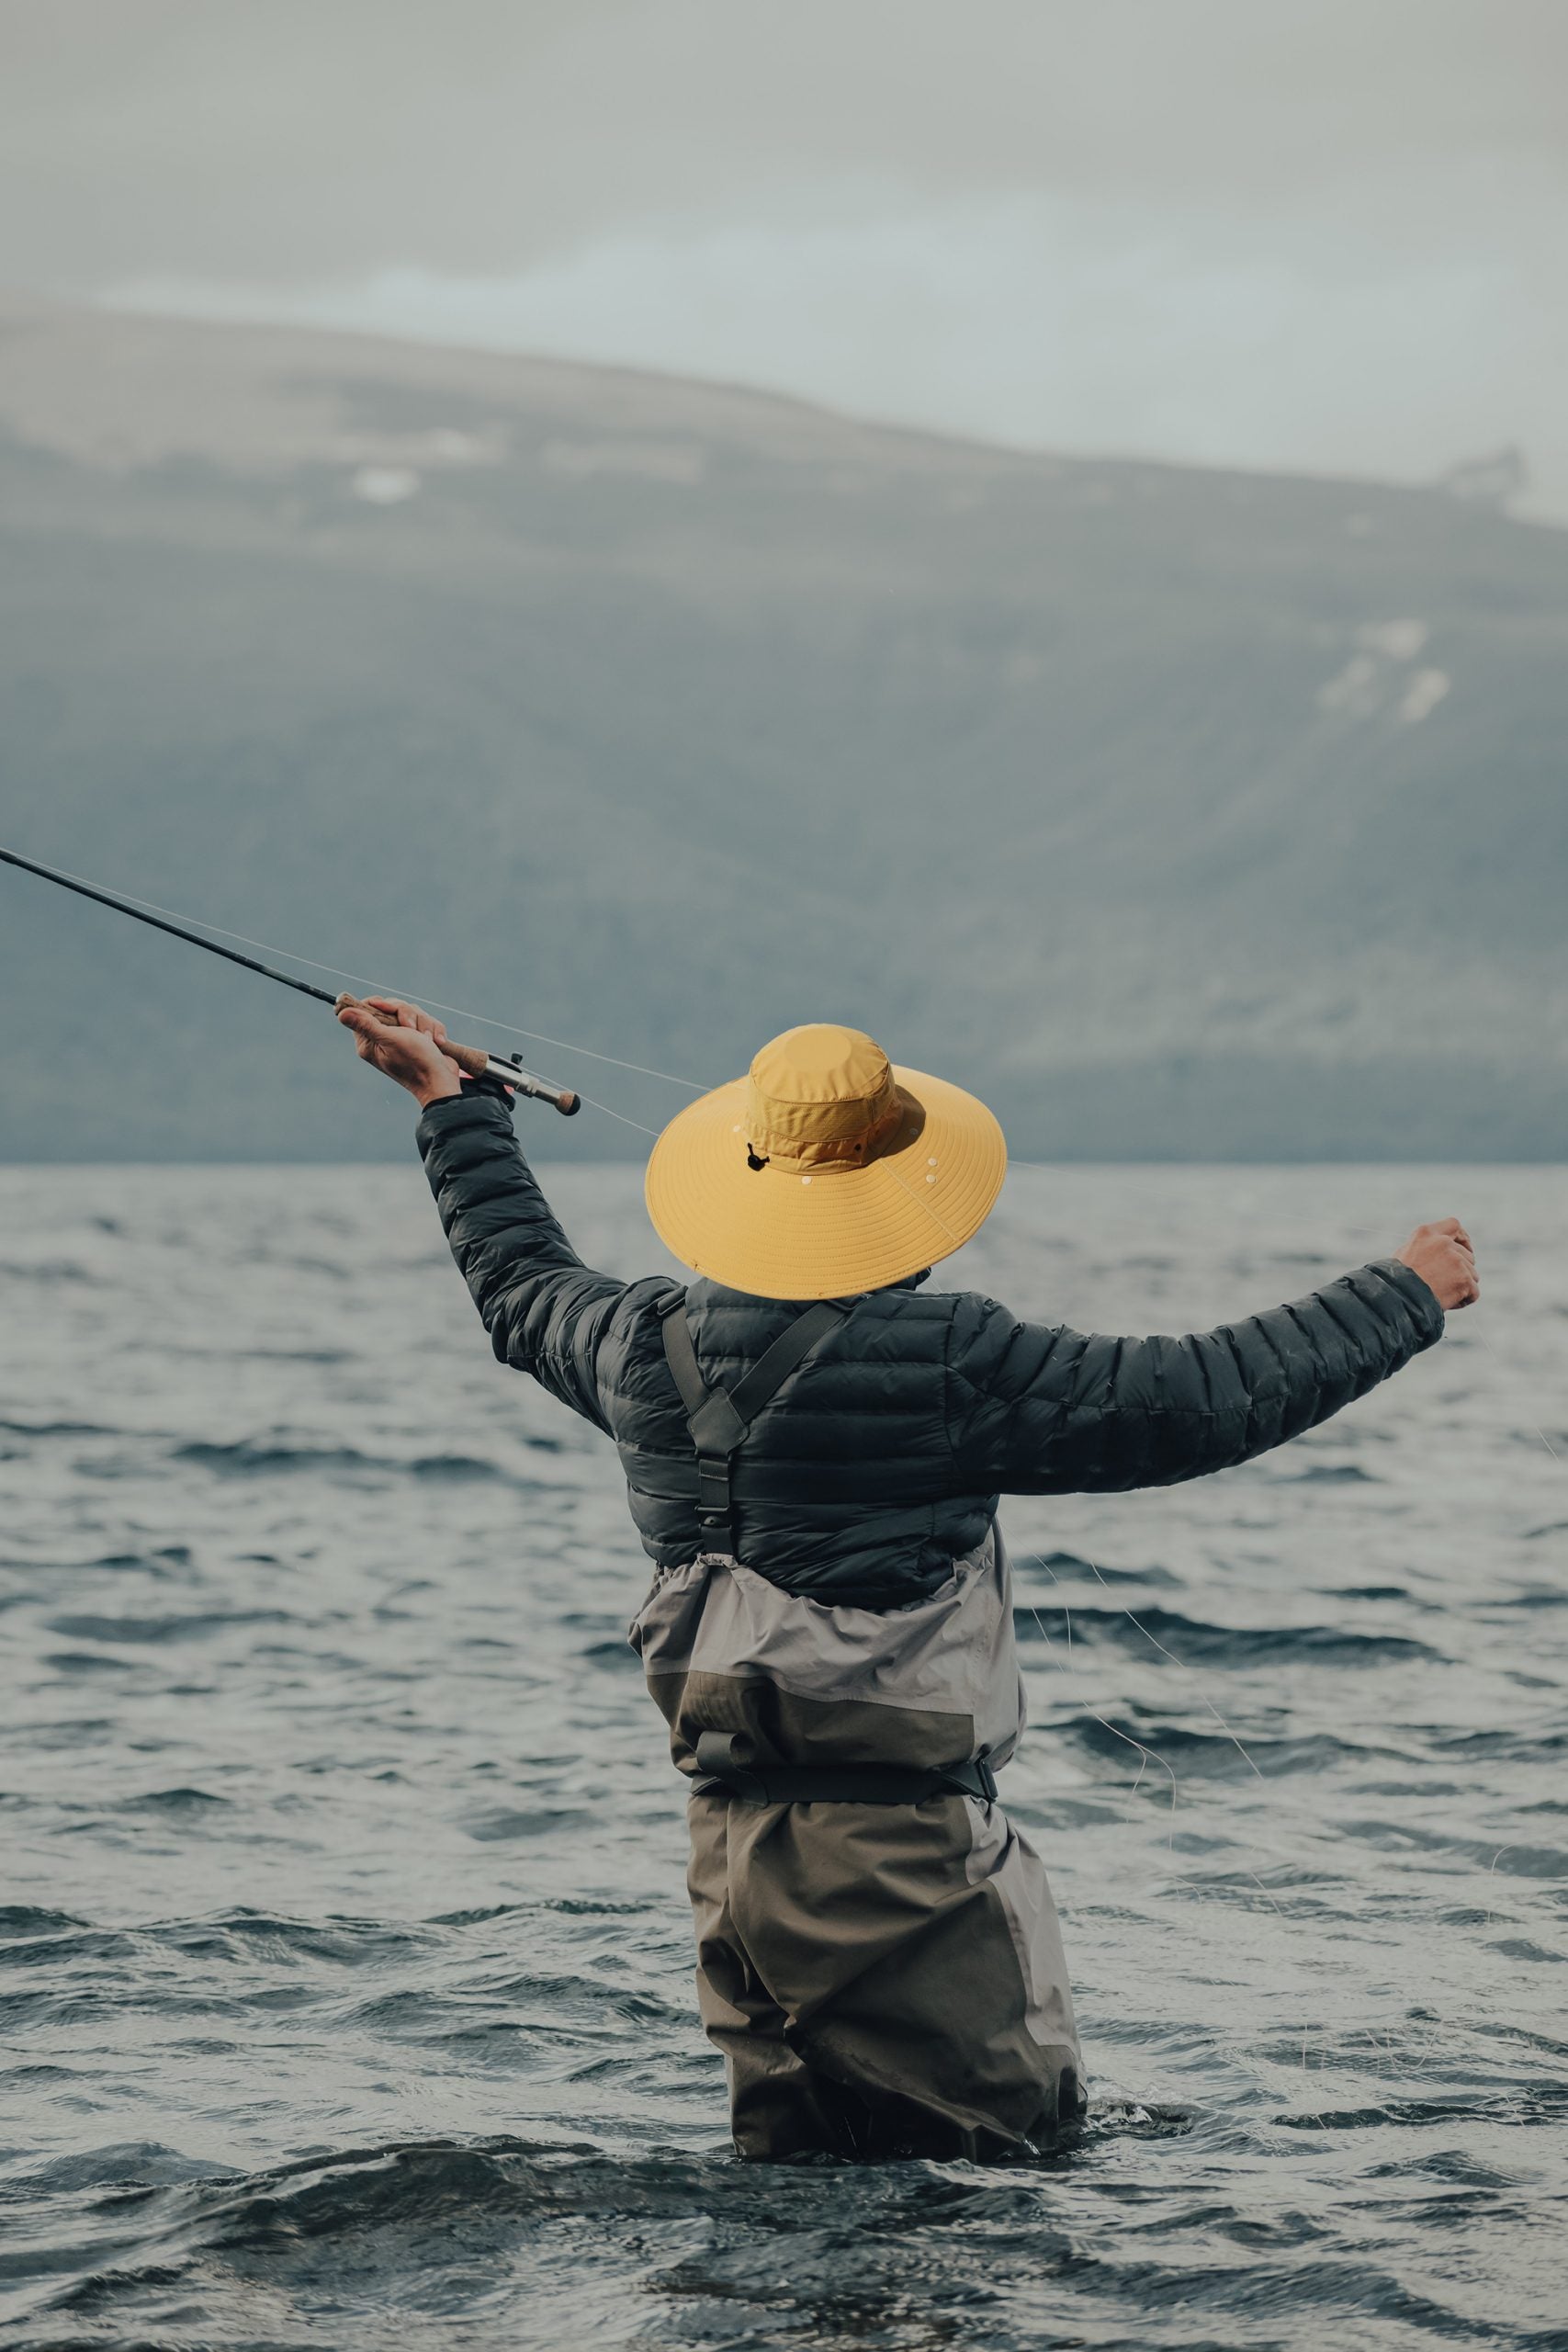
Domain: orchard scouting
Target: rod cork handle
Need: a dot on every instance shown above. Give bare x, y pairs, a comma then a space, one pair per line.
471, 1059
474, 1062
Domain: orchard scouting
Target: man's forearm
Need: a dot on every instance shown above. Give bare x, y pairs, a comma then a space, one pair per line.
543, 1308
497, 1221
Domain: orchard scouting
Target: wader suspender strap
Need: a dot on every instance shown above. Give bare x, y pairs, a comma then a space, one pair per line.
718, 1423
718, 1420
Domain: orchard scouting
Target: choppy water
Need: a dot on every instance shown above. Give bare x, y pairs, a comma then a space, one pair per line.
343, 1973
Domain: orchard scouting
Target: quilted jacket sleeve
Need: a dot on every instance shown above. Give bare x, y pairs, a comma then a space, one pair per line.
544, 1309
1036, 1410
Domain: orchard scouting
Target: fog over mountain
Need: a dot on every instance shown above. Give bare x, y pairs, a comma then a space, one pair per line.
1178, 812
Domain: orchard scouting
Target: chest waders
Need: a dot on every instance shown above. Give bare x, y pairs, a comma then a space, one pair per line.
877, 1950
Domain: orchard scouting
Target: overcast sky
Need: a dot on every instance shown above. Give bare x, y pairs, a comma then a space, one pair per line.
1321, 234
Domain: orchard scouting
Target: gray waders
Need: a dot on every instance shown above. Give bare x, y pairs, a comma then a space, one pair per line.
877, 1950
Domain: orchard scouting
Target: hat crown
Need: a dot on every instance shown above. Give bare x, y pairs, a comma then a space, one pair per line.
820, 1092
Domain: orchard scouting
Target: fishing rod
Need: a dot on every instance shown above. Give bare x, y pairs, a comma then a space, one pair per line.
472, 1060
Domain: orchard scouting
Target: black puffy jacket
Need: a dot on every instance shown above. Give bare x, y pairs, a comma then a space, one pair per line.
881, 1458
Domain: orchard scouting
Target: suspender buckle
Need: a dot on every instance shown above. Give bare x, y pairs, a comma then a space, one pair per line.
714, 1508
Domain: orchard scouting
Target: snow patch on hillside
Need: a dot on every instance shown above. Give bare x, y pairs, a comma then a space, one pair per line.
1376, 677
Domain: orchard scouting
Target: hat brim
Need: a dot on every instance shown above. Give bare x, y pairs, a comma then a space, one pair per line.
786, 1230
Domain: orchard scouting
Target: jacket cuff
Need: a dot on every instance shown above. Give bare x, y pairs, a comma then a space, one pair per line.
477, 1106
1417, 1295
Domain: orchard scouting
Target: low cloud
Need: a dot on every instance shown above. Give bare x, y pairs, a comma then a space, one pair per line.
1308, 235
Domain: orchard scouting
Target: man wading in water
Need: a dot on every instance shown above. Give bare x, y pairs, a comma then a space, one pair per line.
814, 1449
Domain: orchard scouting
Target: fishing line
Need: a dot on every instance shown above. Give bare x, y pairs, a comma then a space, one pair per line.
925, 1205
1149, 1754
1155, 1642
1278, 1803
1134, 1620
605, 1108
1502, 1368
1146, 1755
1186, 1669
1477, 1330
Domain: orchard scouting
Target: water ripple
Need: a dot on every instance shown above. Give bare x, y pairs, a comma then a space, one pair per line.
344, 1968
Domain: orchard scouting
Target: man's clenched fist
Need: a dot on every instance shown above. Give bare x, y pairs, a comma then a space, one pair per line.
1444, 1257
405, 1044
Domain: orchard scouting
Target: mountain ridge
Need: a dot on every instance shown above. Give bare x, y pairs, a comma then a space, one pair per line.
1180, 812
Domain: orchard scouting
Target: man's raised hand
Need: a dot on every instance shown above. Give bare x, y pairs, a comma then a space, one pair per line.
405, 1044
1444, 1257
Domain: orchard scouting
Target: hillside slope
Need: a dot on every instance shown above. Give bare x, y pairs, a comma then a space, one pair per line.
1180, 812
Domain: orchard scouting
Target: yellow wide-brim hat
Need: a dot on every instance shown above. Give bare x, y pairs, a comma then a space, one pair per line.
826, 1170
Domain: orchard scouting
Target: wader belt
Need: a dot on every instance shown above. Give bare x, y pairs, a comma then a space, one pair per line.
719, 1767
718, 1420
